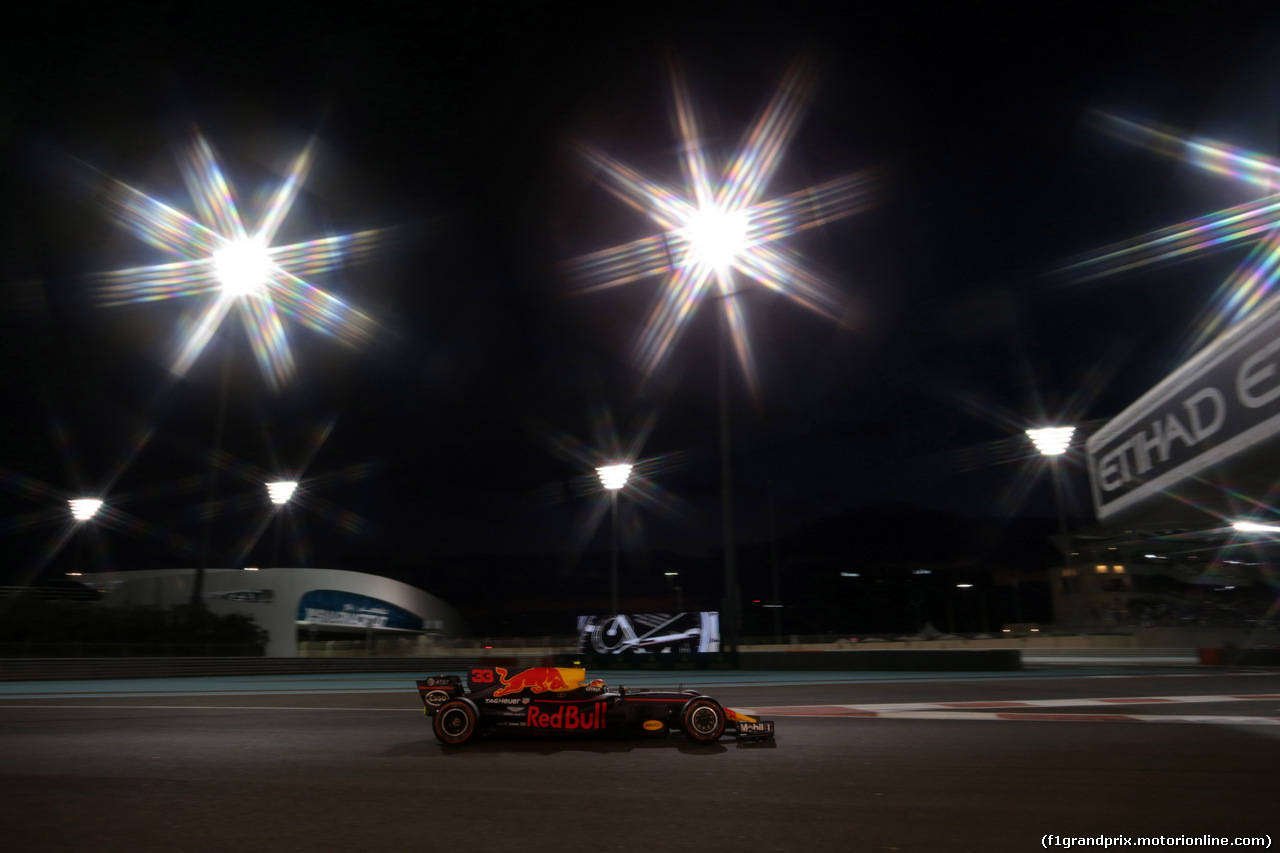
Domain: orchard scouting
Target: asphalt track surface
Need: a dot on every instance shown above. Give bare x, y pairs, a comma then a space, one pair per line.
862, 762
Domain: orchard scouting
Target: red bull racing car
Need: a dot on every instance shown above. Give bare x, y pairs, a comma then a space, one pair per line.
547, 700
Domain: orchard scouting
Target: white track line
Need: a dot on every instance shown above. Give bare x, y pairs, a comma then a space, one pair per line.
1052, 718
83, 707
843, 710
968, 710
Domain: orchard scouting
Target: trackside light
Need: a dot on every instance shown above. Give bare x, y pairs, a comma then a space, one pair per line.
717, 236
242, 267
1254, 527
614, 477
1051, 441
281, 492
83, 509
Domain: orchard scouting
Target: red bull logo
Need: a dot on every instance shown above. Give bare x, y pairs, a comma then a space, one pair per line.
568, 717
540, 679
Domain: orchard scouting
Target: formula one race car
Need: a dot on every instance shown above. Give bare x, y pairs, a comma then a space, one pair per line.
548, 700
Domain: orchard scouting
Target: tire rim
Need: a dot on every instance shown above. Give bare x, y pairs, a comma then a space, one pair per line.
704, 720
454, 722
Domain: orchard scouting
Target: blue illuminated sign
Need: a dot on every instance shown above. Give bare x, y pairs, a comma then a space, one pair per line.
331, 607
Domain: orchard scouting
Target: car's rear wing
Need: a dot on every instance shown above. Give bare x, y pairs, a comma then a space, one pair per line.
437, 690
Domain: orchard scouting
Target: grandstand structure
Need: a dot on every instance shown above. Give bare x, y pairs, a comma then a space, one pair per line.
298, 606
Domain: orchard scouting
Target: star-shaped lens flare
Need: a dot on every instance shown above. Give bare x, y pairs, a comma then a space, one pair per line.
237, 266
717, 229
1255, 221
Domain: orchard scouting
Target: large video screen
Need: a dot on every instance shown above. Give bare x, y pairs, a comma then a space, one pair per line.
654, 633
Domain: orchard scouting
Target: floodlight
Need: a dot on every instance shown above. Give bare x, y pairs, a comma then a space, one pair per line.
717, 236
83, 509
719, 231
243, 267
1051, 441
220, 256
614, 477
281, 492
1254, 527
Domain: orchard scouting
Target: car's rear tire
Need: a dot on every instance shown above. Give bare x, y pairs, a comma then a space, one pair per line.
702, 720
455, 722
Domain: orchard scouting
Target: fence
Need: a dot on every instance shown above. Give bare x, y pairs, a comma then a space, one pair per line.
82, 669
128, 650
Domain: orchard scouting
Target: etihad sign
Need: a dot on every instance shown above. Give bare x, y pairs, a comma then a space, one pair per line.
1225, 400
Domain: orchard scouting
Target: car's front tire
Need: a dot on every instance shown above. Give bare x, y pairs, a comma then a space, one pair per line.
702, 720
455, 723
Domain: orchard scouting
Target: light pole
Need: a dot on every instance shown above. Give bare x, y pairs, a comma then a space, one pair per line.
731, 598
676, 591
1053, 443
720, 232
211, 491
82, 511
280, 492
968, 605
242, 271
613, 478
773, 562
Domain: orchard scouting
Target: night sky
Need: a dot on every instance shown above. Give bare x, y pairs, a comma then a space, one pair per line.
454, 126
